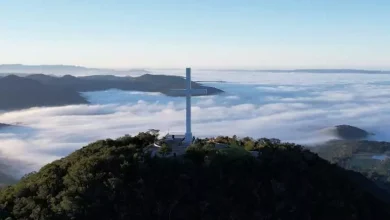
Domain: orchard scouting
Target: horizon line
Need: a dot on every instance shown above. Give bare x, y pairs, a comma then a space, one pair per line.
204, 68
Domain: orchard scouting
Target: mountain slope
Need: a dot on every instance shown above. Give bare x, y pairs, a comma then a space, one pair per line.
19, 92
43, 90
360, 156
116, 179
146, 83
4, 125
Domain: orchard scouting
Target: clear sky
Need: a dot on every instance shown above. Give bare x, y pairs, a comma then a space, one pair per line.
198, 33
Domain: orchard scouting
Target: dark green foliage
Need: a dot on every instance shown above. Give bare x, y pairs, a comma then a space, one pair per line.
165, 150
247, 142
344, 152
117, 179
337, 150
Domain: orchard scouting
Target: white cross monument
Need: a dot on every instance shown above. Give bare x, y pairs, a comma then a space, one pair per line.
188, 92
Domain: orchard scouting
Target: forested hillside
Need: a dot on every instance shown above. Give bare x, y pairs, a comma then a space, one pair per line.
360, 156
118, 179
38, 90
3, 125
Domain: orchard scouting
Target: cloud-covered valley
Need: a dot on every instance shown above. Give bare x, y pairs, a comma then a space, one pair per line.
289, 106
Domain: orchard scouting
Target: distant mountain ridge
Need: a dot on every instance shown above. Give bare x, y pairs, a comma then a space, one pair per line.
20, 92
37, 90
80, 70
362, 71
64, 69
4, 125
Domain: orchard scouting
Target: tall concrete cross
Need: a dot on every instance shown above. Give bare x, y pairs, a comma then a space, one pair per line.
188, 92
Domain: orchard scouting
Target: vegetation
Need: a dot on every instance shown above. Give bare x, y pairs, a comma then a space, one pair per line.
247, 142
337, 150
165, 150
119, 179
46, 90
357, 156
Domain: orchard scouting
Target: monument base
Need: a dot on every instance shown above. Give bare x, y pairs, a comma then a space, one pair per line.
188, 140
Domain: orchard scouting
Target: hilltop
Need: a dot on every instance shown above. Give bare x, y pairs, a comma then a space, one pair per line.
346, 132
118, 179
17, 92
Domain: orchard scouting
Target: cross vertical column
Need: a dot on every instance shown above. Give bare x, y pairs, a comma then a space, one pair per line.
188, 135
188, 92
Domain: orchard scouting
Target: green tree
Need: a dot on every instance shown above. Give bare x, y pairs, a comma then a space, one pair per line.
165, 149
115, 179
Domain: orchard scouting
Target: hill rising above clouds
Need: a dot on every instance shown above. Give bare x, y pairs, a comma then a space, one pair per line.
346, 132
17, 92
4, 125
118, 179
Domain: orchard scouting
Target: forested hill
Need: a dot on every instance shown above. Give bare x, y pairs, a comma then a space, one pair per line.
36, 90
371, 158
118, 179
4, 125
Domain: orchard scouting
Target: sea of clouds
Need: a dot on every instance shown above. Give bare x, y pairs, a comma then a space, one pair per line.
290, 106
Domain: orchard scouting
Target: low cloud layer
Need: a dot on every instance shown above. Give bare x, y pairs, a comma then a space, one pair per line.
291, 107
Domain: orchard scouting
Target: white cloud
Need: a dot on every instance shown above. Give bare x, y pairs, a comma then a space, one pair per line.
278, 89
232, 97
286, 106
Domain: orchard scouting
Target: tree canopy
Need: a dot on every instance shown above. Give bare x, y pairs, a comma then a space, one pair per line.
357, 155
119, 179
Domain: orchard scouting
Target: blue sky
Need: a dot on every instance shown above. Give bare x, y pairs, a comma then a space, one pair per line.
201, 34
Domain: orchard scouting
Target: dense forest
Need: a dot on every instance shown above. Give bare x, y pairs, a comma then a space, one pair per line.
337, 150
355, 155
119, 179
